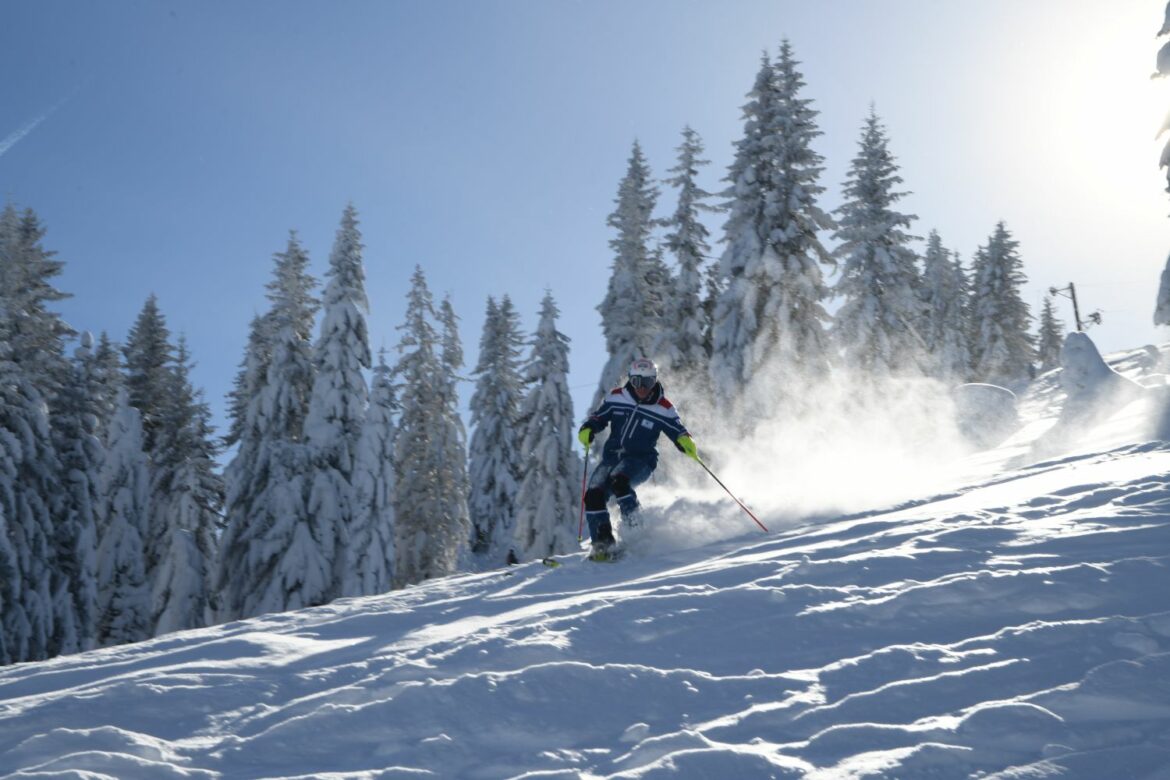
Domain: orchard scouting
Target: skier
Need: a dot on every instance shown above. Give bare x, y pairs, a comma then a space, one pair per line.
638, 412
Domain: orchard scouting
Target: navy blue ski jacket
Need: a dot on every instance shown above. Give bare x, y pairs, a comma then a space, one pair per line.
636, 424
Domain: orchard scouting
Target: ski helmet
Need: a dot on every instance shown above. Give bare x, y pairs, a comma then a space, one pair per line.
643, 373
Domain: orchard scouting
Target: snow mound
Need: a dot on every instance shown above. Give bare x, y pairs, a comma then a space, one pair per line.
1088, 381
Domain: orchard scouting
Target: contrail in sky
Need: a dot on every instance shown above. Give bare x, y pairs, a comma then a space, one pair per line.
22, 131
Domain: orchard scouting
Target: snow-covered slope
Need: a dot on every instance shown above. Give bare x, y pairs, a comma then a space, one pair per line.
1017, 626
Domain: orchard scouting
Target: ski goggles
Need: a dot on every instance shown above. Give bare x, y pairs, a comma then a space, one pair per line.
643, 382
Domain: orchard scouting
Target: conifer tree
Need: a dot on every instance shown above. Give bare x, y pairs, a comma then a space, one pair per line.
82, 453
770, 312
36, 334
1162, 303
875, 327
1003, 346
712, 290
430, 486
337, 404
286, 336
480, 502
187, 501
149, 384
1051, 337
123, 590
415, 489
631, 311
9, 574
494, 455
548, 494
372, 553
149, 356
682, 346
452, 436
275, 555
945, 330
108, 377
28, 470
660, 285
249, 379
186, 496
40, 532
243, 481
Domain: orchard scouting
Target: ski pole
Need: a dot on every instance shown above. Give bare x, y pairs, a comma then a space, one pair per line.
584, 475
741, 506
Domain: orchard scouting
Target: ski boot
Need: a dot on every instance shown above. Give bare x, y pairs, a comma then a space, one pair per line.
604, 544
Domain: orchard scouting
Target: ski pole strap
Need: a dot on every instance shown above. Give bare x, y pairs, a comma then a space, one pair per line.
741, 506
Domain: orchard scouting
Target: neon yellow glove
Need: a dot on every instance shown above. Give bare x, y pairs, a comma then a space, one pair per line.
687, 445
585, 436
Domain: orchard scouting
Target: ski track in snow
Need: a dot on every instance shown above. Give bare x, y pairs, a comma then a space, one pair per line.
1017, 627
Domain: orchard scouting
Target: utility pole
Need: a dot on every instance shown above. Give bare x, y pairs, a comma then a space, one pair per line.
1071, 292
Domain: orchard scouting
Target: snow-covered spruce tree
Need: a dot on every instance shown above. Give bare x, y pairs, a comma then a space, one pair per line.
13, 410
430, 478
250, 377
453, 436
9, 572
876, 326
107, 370
28, 470
681, 348
1003, 345
337, 404
36, 334
660, 284
186, 495
944, 328
31, 501
371, 554
287, 334
123, 590
713, 287
187, 500
1162, 305
770, 311
242, 480
82, 452
494, 454
244, 433
480, 502
1051, 337
630, 312
274, 555
37, 517
149, 356
548, 496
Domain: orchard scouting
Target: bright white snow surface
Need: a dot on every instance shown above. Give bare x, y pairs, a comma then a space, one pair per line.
1015, 626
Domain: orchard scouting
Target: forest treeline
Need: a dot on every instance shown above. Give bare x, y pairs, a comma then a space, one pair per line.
347, 475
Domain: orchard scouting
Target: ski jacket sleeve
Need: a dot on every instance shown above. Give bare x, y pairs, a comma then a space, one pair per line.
672, 424
599, 420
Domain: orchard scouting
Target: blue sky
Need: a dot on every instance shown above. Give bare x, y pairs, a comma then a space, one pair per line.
169, 147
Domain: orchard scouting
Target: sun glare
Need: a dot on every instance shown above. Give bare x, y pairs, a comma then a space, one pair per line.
1112, 109
1085, 112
